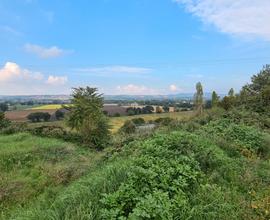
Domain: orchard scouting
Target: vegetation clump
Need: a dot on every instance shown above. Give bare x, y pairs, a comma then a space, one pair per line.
86, 117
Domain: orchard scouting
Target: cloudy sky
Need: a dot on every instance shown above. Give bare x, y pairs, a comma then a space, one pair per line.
131, 47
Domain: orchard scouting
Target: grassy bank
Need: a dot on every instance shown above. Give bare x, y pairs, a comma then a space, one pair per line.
33, 166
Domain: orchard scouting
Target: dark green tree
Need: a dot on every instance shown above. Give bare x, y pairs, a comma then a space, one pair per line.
86, 116
198, 98
215, 99
3, 107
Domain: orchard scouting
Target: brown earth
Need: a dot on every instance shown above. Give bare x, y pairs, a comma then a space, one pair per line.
21, 115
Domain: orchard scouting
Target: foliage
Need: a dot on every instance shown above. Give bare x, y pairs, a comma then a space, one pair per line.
129, 127
255, 96
39, 116
86, 116
198, 98
138, 121
3, 107
215, 99
3, 121
59, 114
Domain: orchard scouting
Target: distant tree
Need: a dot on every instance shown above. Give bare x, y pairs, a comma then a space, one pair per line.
215, 99
166, 108
46, 116
198, 98
231, 93
3, 107
87, 117
148, 109
59, 114
130, 111
39, 116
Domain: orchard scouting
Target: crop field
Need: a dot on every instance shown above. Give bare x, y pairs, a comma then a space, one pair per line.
47, 107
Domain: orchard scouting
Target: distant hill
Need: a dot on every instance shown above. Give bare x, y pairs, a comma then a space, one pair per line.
180, 96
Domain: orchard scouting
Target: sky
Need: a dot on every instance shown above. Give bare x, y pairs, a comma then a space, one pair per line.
135, 47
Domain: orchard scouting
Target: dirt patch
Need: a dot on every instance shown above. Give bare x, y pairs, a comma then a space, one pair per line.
22, 115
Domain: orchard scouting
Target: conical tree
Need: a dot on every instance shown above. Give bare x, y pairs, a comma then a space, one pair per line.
215, 99
198, 98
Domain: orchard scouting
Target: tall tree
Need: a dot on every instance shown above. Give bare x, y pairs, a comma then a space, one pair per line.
86, 116
198, 98
231, 93
215, 99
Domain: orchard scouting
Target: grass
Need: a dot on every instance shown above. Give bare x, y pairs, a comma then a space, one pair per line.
117, 122
34, 166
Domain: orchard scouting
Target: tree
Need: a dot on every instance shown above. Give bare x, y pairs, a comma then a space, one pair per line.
86, 116
198, 98
3, 121
231, 93
148, 109
166, 108
215, 99
38, 116
59, 114
254, 95
46, 116
3, 107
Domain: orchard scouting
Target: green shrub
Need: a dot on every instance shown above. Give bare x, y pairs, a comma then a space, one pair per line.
128, 127
138, 121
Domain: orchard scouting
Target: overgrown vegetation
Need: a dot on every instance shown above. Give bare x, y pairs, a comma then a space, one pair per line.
214, 165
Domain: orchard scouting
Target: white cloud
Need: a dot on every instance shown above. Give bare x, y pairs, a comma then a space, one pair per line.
174, 88
116, 69
12, 71
57, 80
245, 18
15, 80
132, 89
43, 52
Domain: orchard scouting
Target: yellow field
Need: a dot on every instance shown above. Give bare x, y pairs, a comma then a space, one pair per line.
47, 107
117, 122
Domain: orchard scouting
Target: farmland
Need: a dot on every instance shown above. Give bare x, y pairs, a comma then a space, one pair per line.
115, 122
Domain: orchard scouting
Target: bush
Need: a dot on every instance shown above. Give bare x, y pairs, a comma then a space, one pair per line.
128, 128
14, 127
4, 123
59, 114
138, 121
164, 121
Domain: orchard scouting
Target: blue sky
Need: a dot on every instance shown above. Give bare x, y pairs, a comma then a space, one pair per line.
131, 47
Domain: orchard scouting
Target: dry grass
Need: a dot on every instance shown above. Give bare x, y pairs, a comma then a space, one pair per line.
117, 122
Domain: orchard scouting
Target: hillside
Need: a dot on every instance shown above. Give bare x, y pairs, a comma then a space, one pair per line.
201, 169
